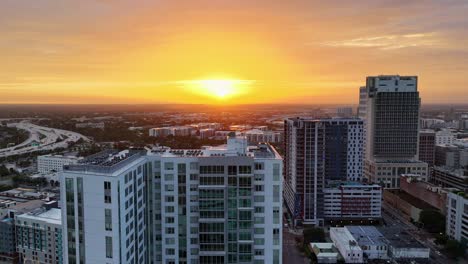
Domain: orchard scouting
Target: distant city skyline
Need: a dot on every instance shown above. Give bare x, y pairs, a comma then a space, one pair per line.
227, 52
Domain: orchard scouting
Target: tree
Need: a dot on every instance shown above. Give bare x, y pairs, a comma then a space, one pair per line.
441, 239
455, 249
433, 221
313, 234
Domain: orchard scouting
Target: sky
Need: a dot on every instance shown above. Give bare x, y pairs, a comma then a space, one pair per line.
161, 51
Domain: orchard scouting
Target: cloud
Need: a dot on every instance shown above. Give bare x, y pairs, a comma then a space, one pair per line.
388, 42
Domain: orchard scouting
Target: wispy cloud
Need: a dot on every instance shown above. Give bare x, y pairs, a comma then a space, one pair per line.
388, 42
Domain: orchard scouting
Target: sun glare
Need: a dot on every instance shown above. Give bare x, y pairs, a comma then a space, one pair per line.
220, 89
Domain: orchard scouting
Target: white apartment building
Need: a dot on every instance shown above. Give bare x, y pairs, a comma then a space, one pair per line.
181, 131
39, 237
49, 163
444, 137
104, 209
257, 136
430, 122
213, 205
457, 215
347, 245
351, 200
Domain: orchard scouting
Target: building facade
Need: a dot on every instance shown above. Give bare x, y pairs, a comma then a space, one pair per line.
457, 216
392, 127
353, 201
388, 174
257, 136
450, 178
214, 205
347, 245
316, 151
49, 163
427, 147
39, 237
444, 137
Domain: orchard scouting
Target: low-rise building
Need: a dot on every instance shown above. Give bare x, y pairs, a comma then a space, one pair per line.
178, 131
99, 125
257, 136
14, 206
410, 206
325, 252
39, 237
388, 173
450, 178
403, 245
54, 163
371, 241
453, 156
434, 195
347, 245
457, 216
444, 137
352, 201
206, 133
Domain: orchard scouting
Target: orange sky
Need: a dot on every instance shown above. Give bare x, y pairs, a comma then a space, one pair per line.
303, 51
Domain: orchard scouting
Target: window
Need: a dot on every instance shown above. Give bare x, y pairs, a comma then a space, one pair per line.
259, 177
168, 165
245, 169
193, 165
276, 172
259, 166
232, 170
108, 247
259, 188
108, 219
194, 177
215, 169
276, 193
276, 215
107, 192
169, 177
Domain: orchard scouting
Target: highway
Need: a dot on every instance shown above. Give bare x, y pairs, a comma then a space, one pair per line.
45, 137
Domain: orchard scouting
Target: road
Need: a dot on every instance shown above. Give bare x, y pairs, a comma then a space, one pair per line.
291, 254
393, 217
48, 139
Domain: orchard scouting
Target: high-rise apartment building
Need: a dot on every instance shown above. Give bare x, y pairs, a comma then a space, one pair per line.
317, 151
213, 205
392, 129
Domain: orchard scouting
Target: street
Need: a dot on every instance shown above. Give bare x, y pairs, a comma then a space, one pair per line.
291, 255
393, 218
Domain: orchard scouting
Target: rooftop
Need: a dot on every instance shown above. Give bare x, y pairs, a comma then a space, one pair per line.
109, 161
336, 184
53, 216
343, 235
399, 238
367, 235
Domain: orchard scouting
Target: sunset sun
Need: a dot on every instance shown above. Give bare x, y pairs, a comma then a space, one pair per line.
220, 89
